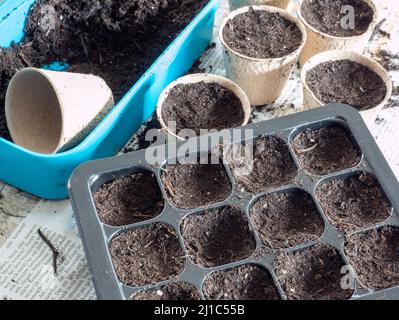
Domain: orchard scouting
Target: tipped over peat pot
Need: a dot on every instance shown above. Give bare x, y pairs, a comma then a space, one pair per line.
288, 231
46, 176
329, 26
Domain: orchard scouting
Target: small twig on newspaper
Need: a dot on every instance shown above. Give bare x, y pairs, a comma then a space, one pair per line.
53, 249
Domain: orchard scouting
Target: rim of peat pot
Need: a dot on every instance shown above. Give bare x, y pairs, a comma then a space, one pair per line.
272, 9
207, 78
335, 39
310, 100
282, 4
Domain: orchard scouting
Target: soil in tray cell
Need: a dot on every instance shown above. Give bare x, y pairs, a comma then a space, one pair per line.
202, 105
327, 16
269, 164
247, 282
191, 185
261, 34
147, 255
173, 291
218, 237
348, 82
375, 257
326, 150
287, 219
116, 40
354, 202
312, 274
129, 199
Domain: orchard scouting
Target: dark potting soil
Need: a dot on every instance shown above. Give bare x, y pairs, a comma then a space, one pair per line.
218, 237
312, 274
263, 35
195, 185
325, 150
173, 291
202, 105
284, 220
348, 82
129, 199
116, 40
374, 256
147, 255
326, 16
354, 202
272, 164
247, 282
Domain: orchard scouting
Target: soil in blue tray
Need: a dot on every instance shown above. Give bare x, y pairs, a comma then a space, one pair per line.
116, 40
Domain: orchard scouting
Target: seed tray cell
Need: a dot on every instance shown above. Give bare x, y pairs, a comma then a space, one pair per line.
325, 246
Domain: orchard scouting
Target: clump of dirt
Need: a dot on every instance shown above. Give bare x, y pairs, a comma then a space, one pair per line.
312, 274
262, 34
374, 256
325, 150
262, 164
354, 202
218, 237
284, 220
192, 185
129, 199
202, 105
388, 60
348, 82
174, 291
116, 40
329, 17
247, 282
147, 255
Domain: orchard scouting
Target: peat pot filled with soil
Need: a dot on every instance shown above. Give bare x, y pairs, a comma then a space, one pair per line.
235, 4
261, 47
333, 25
199, 102
346, 77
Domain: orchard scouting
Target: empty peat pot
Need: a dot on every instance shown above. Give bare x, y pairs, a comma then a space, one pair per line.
202, 101
235, 4
50, 111
360, 82
334, 25
261, 47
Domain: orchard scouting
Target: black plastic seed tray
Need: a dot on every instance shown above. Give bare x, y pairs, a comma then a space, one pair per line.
97, 236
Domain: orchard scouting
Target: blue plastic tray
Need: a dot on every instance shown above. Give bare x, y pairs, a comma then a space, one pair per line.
46, 176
